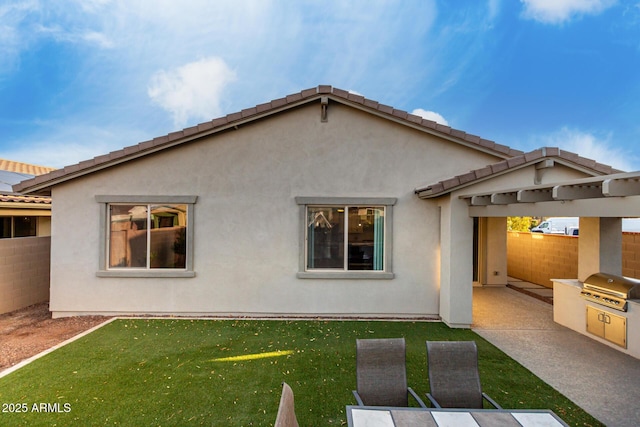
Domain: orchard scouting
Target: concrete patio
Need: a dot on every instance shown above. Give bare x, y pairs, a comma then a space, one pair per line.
599, 379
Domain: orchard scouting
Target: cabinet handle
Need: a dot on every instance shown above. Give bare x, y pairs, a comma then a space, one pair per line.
607, 319
601, 317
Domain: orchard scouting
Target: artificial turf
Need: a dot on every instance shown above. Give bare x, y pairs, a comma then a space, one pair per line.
166, 372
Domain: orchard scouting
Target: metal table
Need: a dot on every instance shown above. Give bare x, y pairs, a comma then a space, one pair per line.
380, 416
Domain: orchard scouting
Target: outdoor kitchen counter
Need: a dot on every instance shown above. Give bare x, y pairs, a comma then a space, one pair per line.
569, 309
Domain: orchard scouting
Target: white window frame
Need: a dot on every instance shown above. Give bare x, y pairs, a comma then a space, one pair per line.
384, 202
105, 271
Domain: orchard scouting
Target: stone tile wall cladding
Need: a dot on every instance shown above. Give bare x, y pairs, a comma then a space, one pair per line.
24, 272
538, 258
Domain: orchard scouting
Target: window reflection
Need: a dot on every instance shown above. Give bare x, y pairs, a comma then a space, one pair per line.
132, 243
364, 246
325, 237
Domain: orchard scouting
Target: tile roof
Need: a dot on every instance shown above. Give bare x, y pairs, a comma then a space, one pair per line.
25, 168
12, 172
14, 198
566, 157
43, 183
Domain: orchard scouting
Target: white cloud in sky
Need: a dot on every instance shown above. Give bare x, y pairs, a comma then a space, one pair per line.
124, 54
560, 11
192, 91
600, 149
430, 115
62, 35
12, 37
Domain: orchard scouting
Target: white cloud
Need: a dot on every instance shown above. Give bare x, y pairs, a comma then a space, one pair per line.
94, 37
13, 39
600, 149
62, 35
192, 91
560, 11
430, 115
494, 10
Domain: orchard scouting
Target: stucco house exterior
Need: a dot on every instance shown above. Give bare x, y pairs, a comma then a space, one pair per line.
319, 204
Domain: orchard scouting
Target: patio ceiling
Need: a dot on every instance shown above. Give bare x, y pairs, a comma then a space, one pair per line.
615, 195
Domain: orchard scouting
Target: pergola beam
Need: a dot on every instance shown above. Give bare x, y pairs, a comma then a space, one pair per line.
612, 187
577, 192
536, 195
480, 200
621, 187
504, 198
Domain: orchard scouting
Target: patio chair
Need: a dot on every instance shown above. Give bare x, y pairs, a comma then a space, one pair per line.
286, 411
381, 376
454, 380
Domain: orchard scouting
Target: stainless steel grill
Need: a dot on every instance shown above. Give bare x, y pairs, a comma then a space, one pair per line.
610, 290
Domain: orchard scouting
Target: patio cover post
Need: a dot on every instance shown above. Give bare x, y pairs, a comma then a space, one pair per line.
456, 263
599, 246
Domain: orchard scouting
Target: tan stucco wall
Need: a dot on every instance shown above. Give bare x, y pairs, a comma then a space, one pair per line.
494, 269
24, 272
247, 222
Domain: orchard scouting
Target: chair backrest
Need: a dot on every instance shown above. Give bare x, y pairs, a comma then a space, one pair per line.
454, 379
381, 374
286, 411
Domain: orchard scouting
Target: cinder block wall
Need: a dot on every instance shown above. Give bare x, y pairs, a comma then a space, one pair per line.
24, 272
538, 258
631, 255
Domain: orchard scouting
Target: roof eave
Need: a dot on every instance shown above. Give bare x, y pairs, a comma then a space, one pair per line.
429, 192
44, 188
43, 184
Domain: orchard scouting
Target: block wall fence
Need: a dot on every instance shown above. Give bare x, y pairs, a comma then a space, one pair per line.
538, 258
24, 272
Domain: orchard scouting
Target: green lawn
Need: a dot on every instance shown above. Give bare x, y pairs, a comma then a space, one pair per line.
187, 372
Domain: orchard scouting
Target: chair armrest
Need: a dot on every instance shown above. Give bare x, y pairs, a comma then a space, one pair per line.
416, 397
491, 401
358, 398
433, 401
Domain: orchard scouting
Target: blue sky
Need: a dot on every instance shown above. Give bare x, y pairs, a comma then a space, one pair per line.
81, 78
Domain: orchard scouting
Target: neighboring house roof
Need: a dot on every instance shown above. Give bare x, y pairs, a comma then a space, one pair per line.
323, 94
23, 168
539, 156
14, 198
8, 179
12, 173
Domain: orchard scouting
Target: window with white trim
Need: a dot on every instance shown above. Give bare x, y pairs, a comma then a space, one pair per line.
346, 237
147, 236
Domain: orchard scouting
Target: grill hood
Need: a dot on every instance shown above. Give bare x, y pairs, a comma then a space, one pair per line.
622, 287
